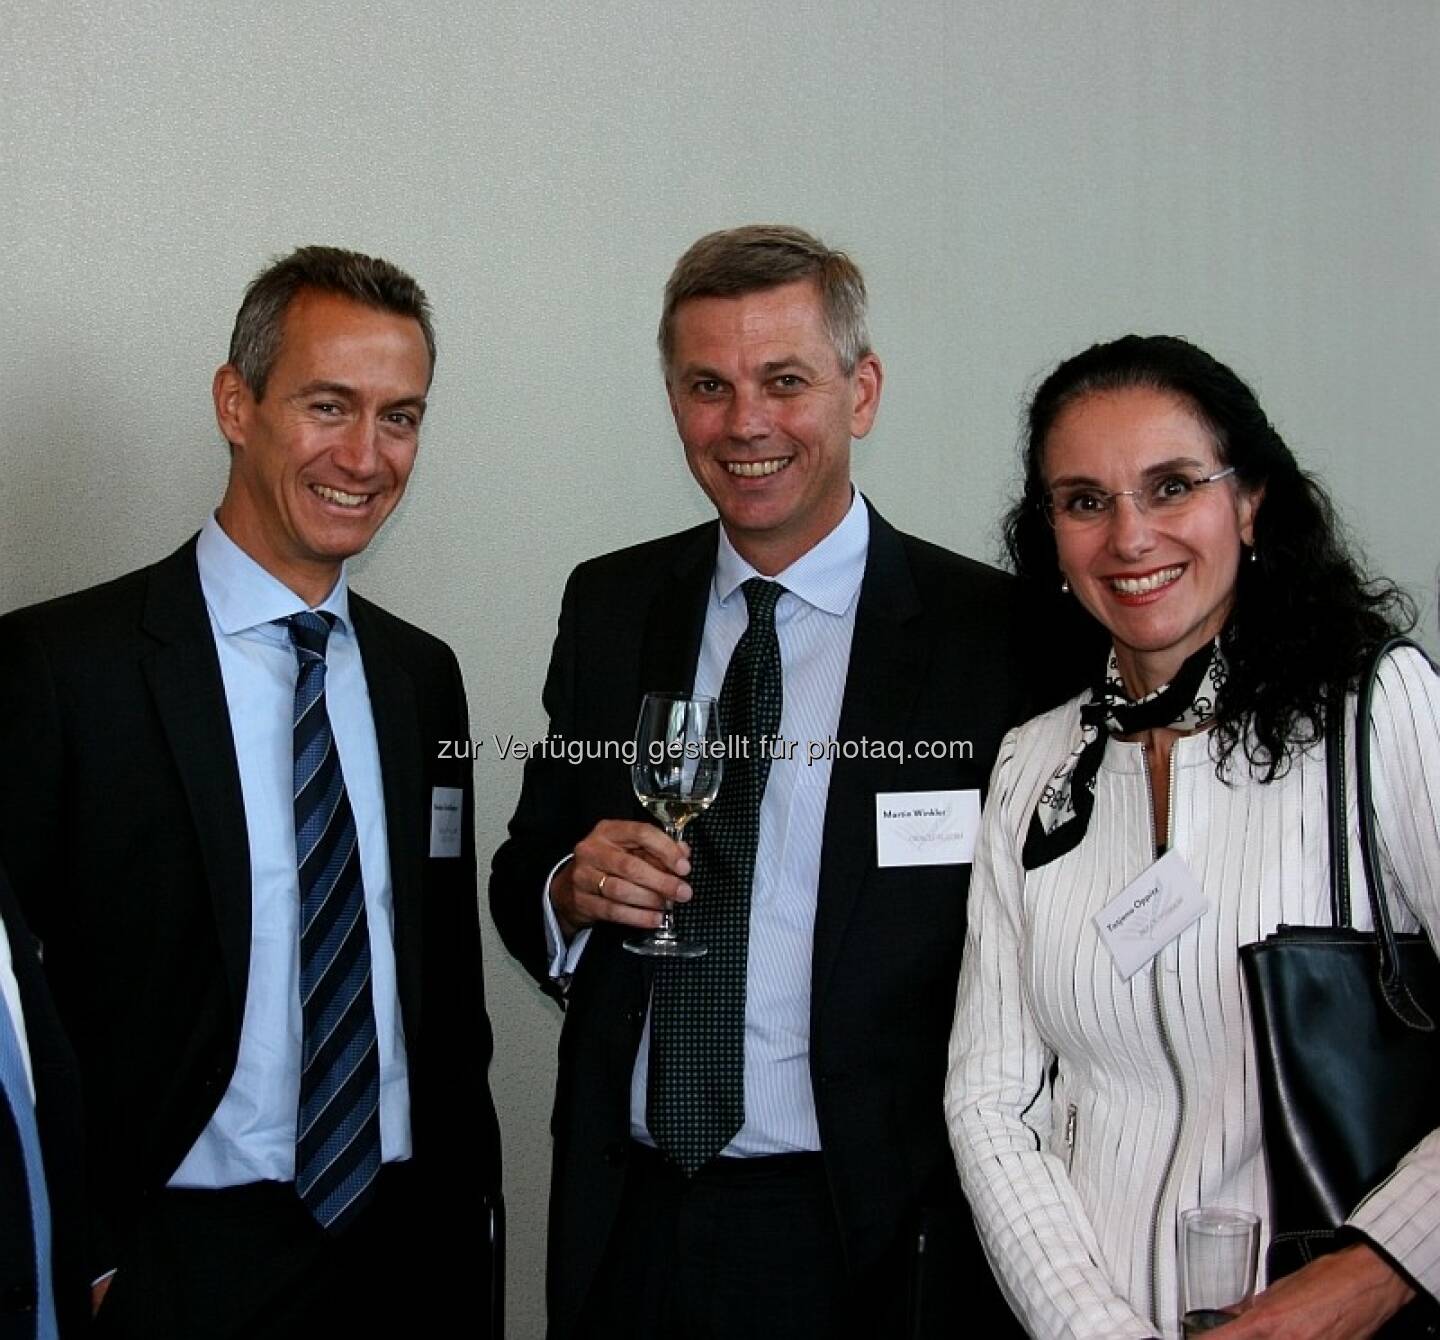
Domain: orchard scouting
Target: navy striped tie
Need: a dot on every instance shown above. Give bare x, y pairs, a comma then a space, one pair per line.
337, 1139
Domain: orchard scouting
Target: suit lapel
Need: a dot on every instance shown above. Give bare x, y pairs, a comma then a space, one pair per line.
887, 658
183, 672
398, 738
676, 620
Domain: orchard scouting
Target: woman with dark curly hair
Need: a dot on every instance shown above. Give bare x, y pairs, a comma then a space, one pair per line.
1101, 1080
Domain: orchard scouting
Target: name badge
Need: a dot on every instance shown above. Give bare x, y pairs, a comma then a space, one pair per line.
1151, 912
446, 808
926, 827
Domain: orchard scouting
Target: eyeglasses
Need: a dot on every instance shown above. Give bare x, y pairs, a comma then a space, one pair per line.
1077, 506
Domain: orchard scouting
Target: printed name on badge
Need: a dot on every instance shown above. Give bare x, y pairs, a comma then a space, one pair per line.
926, 827
446, 809
1151, 912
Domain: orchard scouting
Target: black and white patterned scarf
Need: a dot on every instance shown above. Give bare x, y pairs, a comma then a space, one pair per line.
1187, 703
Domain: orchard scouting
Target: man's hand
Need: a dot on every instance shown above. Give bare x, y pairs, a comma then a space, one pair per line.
624, 872
1347, 1295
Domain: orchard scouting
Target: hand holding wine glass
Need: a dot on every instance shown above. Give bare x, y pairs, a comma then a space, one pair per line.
676, 775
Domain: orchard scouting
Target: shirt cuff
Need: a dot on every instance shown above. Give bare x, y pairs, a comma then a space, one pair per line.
564, 959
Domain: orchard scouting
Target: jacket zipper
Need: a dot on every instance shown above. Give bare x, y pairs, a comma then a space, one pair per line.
1168, 1047
1070, 1114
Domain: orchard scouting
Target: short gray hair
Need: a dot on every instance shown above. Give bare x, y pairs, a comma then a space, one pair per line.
255, 341
758, 256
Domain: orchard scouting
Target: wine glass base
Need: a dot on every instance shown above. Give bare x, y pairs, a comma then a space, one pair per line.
655, 946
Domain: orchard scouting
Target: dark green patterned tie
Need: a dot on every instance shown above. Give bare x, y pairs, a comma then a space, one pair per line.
696, 1098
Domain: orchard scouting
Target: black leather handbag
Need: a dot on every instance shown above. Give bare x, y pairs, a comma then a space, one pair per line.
1346, 1041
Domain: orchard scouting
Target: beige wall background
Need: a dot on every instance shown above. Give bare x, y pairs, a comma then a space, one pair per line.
1017, 177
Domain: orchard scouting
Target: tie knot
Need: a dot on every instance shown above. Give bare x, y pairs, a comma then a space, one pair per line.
310, 631
761, 597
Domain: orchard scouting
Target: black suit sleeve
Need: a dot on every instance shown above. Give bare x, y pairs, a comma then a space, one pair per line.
546, 824
58, 1115
32, 803
462, 1116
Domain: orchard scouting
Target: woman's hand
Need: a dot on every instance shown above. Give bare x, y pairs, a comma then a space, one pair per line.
1347, 1295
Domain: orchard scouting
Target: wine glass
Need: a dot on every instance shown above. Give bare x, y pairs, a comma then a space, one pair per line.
1219, 1249
676, 774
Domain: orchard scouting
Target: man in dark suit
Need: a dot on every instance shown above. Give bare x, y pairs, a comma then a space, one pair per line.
53, 1240
226, 812
822, 1199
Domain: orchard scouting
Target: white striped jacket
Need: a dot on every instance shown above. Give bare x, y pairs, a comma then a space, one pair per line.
1086, 1111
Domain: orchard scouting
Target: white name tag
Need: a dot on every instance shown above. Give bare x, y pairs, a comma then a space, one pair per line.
1150, 913
446, 808
926, 827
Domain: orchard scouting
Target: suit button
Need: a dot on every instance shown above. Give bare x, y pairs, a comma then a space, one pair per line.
615, 1154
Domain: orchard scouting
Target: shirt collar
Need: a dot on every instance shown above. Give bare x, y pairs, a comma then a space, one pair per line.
241, 594
826, 576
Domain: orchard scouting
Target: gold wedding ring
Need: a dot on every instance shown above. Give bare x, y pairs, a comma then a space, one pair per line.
600, 887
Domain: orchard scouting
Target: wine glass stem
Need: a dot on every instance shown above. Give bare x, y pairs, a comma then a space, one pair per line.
666, 929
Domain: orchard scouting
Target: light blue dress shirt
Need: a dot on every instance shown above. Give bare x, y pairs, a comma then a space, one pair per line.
17, 1093
251, 1136
10, 994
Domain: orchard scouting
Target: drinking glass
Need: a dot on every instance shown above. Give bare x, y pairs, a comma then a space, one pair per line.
676, 774
1219, 1249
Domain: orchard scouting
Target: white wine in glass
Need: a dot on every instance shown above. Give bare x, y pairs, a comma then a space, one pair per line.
676, 774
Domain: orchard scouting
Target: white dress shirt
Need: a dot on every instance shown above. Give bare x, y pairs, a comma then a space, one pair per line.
814, 623
251, 1136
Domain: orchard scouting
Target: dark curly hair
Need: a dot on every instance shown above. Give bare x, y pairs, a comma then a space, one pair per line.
1305, 615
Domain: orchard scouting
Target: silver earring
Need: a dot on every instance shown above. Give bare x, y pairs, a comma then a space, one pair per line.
1064, 586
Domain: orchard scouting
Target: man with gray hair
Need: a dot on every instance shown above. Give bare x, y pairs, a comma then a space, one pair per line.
253, 874
752, 1143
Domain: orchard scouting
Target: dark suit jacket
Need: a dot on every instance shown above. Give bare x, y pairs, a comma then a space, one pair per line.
932, 660
57, 1114
122, 824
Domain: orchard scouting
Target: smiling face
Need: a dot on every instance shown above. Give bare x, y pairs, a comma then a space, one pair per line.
319, 463
766, 415
1163, 583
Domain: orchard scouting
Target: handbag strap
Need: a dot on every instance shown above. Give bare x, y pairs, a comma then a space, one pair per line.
1339, 817
1392, 981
